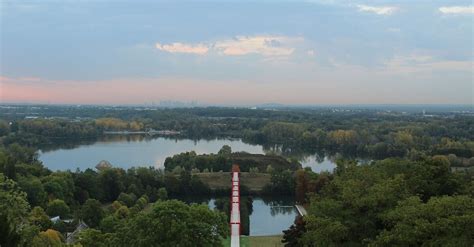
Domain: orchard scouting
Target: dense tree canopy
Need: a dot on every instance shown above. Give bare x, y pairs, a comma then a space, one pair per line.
13, 214
442, 221
168, 223
390, 202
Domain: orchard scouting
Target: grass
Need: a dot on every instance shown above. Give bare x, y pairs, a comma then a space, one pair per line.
256, 241
265, 241
244, 241
222, 180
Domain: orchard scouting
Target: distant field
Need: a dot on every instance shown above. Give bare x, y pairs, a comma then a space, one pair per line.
222, 180
257, 241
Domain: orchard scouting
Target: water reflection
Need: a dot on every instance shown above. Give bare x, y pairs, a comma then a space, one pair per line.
269, 215
143, 150
279, 205
75, 143
130, 150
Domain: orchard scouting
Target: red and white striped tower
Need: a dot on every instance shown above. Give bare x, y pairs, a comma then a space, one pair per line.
235, 208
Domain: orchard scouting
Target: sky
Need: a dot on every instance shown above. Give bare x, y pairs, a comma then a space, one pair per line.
237, 52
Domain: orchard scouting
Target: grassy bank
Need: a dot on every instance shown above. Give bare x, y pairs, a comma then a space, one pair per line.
257, 241
222, 180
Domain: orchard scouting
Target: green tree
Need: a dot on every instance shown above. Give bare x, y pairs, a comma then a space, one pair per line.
442, 221
282, 183
177, 224
270, 169
93, 238
21, 154
327, 226
86, 185
344, 139
39, 218
122, 212
283, 132
301, 181
92, 212
34, 189
50, 238
127, 199
4, 128
59, 208
111, 182
109, 224
60, 185
253, 170
13, 214
142, 202
162, 194
291, 237
225, 151
172, 184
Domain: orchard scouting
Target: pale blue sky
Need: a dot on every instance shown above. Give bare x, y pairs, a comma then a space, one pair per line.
237, 52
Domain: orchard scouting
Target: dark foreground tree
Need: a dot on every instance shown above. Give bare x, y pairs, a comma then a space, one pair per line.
173, 223
291, 236
14, 225
442, 221
92, 212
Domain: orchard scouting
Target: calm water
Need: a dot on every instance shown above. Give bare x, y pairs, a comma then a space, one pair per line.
270, 216
128, 151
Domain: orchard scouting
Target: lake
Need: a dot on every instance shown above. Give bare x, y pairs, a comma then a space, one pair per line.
127, 151
270, 216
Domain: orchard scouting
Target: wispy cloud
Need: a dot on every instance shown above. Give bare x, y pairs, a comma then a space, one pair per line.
265, 45
457, 10
379, 10
413, 63
199, 49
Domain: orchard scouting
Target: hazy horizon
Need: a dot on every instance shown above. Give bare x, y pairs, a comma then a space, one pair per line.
318, 52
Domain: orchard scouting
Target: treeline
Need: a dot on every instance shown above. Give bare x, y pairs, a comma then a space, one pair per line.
62, 128
300, 183
41, 132
375, 139
394, 202
223, 160
361, 133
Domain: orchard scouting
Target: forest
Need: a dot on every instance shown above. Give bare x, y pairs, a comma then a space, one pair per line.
361, 132
408, 194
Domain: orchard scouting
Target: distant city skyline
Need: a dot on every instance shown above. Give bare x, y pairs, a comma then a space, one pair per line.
237, 52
